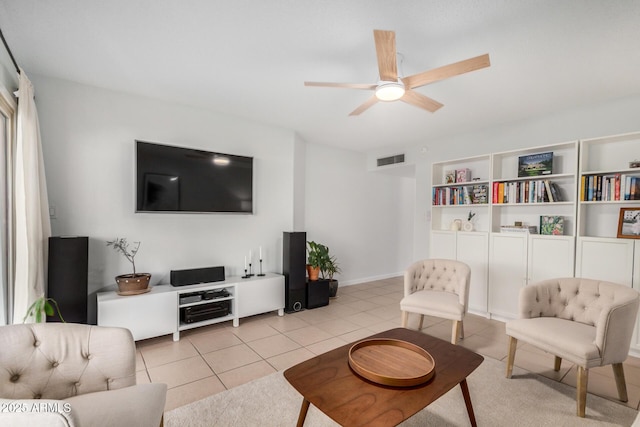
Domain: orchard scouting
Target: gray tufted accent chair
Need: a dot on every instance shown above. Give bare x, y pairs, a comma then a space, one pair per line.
65, 374
439, 288
588, 322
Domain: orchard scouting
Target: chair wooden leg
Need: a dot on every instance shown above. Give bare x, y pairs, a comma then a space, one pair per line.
513, 343
618, 373
455, 331
162, 420
556, 363
421, 321
461, 334
405, 318
581, 390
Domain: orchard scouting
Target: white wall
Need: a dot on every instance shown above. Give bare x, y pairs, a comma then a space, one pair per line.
362, 216
88, 142
615, 117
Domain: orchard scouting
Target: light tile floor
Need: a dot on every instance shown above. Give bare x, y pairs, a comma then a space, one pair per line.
214, 358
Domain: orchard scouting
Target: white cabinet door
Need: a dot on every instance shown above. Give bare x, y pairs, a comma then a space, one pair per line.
260, 295
507, 273
472, 249
550, 257
605, 259
145, 315
443, 244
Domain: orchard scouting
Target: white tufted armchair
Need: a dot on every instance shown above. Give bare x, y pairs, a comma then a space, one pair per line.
587, 322
64, 374
437, 287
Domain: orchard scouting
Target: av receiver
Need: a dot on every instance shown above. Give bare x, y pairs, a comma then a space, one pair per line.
198, 313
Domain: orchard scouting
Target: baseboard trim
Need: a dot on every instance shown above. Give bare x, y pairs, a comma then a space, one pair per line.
370, 279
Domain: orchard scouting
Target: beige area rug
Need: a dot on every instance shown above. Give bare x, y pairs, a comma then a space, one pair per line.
525, 400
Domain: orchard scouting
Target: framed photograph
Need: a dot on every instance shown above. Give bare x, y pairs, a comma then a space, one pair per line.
551, 225
535, 164
450, 177
629, 223
463, 175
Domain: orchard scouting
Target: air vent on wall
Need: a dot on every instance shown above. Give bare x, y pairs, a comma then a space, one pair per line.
391, 160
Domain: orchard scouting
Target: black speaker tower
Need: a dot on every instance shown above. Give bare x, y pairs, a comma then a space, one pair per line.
294, 261
68, 277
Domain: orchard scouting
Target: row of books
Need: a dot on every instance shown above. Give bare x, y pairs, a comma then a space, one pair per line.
537, 191
462, 195
596, 188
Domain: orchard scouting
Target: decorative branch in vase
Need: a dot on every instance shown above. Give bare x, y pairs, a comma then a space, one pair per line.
135, 283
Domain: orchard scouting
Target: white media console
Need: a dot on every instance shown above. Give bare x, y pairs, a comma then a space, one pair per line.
157, 312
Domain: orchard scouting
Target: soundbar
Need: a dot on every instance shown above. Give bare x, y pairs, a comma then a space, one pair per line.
195, 276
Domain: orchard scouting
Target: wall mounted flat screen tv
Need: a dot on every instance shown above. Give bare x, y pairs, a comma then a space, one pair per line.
176, 179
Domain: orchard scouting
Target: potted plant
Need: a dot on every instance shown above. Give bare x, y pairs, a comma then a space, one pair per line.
135, 283
41, 308
330, 268
317, 255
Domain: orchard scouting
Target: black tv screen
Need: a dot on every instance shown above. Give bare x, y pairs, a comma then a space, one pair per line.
176, 179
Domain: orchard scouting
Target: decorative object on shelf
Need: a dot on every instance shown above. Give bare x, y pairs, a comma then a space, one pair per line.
531, 229
456, 224
135, 283
261, 273
629, 223
246, 276
535, 164
468, 225
634, 164
450, 177
41, 308
551, 225
463, 175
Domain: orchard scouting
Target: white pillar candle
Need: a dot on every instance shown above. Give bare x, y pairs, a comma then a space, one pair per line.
260, 252
245, 262
249, 256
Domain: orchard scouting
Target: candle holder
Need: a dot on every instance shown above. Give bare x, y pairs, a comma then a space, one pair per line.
246, 276
250, 273
261, 273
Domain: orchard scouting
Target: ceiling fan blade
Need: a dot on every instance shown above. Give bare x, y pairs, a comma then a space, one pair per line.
447, 71
386, 53
364, 106
345, 85
420, 101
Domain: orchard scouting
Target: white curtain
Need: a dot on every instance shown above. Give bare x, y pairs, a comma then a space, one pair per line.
31, 205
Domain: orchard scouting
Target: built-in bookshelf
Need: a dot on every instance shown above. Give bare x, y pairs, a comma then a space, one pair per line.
607, 183
524, 199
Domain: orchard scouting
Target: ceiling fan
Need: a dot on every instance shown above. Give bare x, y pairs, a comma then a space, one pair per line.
392, 87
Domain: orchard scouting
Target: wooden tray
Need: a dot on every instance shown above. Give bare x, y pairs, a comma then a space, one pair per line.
391, 362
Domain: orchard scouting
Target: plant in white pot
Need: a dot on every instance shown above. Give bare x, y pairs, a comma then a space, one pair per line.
135, 283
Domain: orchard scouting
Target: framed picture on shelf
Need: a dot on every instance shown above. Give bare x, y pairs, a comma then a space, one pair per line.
552, 225
629, 223
535, 164
463, 175
450, 177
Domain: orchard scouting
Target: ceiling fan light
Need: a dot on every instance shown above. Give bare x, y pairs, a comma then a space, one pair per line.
389, 91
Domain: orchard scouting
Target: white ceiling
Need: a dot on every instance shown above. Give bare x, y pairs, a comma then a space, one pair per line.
250, 58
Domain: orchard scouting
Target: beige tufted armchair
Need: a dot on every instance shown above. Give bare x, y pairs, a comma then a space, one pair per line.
587, 322
64, 374
437, 287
